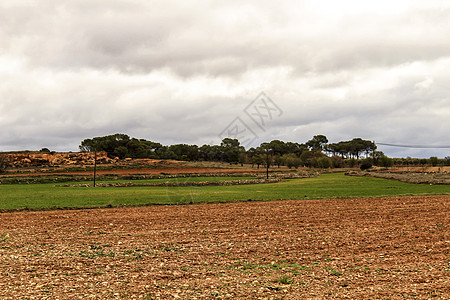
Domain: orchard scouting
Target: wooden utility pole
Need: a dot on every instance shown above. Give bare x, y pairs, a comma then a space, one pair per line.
95, 166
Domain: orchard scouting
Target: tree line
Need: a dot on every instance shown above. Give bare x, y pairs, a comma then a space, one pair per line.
316, 152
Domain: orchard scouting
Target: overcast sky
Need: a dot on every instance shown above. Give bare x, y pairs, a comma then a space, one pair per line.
193, 72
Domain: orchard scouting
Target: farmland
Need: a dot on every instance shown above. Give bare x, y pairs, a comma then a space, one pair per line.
334, 185
307, 235
364, 248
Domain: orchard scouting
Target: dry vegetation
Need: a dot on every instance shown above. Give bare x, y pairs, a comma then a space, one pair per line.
422, 175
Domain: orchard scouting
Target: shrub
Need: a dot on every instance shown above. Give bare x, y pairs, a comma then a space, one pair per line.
292, 161
351, 162
385, 161
323, 162
285, 280
366, 164
447, 161
337, 161
307, 158
4, 163
434, 161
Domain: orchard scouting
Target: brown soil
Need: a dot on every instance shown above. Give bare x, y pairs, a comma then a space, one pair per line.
145, 171
368, 248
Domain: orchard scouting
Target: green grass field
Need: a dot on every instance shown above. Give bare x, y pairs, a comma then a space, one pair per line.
337, 185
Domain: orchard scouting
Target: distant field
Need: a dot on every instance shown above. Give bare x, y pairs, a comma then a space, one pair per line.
337, 185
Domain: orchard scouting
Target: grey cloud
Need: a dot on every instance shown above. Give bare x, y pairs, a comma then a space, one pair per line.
137, 37
174, 72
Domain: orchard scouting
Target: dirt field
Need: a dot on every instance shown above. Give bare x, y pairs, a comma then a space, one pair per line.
412, 176
146, 171
389, 248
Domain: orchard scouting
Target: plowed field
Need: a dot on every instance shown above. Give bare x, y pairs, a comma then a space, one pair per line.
151, 171
310, 249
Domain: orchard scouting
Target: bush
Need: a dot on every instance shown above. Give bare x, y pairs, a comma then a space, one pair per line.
447, 161
4, 163
292, 161
366, 164
323, 162
434, 161
385, 161
350, 162
337, 161
307, 158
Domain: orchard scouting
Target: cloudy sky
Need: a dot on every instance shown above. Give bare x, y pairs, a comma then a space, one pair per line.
193, 71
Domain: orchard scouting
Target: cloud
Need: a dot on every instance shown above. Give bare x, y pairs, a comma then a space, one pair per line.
220, 39
174, 72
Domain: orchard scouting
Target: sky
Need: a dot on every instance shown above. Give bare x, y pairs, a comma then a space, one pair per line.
196, 72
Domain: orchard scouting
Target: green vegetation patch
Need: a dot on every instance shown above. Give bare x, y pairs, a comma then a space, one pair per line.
336, 185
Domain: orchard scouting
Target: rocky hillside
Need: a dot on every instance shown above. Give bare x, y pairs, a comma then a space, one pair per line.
63, 158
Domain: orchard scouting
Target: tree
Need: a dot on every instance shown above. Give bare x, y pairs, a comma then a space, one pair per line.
291, 160
369, 147
311, 159
217, 153
230, 143
252, 156
210, 153
354, 148
165, 153
115, 145
317, 143
376, 156
140, 148
359, 146
107, 144
342, 148
243, 158
231, 149
277, 147
121, 151
295, 148
4, 163
447, 160
278, 160
185, 152
307, 158
434, 161
267, 153
257, 159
